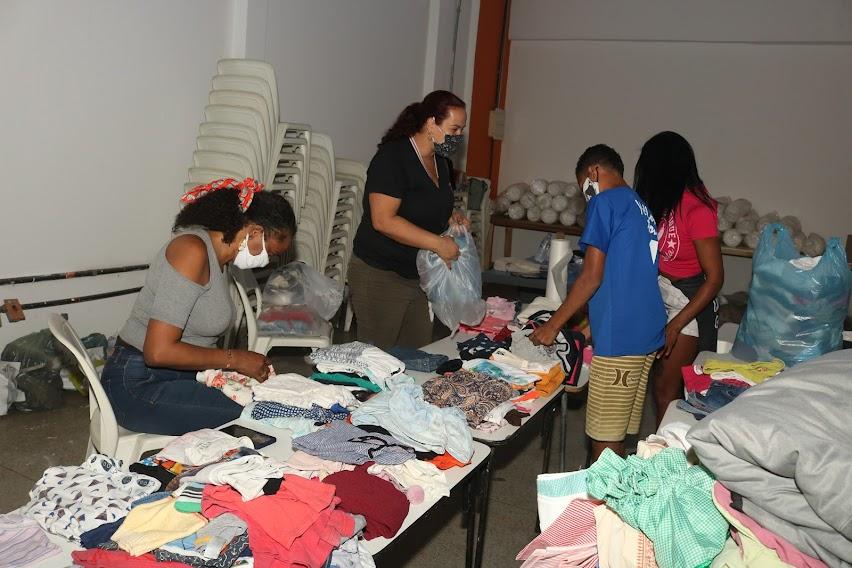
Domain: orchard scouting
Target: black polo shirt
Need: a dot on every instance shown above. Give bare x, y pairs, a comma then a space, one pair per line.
396, 171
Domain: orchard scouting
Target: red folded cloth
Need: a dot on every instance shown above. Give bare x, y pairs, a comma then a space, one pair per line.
383, 505
98, 558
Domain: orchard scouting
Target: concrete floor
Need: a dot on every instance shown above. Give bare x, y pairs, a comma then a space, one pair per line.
34, 441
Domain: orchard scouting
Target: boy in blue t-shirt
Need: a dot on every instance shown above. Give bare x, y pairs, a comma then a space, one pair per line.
619, 282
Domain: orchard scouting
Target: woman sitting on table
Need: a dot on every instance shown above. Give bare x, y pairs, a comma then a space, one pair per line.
185, 306
690, 257
408, 203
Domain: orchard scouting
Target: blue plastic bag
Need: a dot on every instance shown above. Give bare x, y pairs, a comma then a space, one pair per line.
455, 294
793, 313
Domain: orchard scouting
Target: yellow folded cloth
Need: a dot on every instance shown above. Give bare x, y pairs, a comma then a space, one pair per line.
151, 525
756, 372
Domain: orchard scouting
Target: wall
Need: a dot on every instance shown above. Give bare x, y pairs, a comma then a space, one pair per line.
760, 90
101, 102
348, 68
105, 100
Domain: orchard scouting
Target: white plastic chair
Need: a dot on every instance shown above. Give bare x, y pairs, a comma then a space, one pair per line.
105, 435
245, 99
206, 175
239, 131
252, 68
241, 115
262, 341
230, 146
251, 84
222, 161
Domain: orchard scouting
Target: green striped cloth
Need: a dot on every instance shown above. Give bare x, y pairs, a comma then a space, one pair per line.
665, 498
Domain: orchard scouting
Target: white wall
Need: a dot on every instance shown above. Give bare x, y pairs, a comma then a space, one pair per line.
100, 105
765, 106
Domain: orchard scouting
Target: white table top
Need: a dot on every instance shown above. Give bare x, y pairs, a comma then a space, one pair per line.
281, 450
447, 346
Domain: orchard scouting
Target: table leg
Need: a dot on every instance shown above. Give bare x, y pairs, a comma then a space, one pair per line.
468, 510
547, 438
485, 486
489, 247
563, 436
507, 241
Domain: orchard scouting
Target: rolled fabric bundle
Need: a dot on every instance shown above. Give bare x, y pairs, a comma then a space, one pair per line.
567, 218
516, 211
549, 216
503, 203
766, 220
723, 224
814, 245
576, 205
538, 186
515, 191
527, 200
793, 223
534, 213
746, 225
752, 239
555, 188
543, 201
732, 238
572, 189
559, 203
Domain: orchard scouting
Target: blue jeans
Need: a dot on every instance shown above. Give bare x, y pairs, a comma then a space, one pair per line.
161, 401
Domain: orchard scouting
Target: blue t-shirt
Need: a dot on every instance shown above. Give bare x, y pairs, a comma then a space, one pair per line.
626, 313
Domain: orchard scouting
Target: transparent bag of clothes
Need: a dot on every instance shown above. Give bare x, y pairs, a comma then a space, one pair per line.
796, 304
295, 319
298, 284
455, 293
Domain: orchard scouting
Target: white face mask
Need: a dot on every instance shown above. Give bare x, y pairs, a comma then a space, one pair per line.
246, 260
590, 188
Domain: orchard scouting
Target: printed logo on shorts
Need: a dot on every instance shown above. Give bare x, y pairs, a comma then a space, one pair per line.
621, 377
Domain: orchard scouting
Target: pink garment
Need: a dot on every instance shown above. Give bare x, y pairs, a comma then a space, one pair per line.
691, 221
699, 382
573, 532
588, 353
490, 326
235, 386
500, 308
298, 526
304, 464
785, 550
97, 558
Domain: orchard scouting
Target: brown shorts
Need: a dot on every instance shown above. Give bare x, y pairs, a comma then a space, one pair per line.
617, 388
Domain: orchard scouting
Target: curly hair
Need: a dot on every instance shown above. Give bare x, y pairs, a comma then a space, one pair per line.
220, 211
599, 155
436, 104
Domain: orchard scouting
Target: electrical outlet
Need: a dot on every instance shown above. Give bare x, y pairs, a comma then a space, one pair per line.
497, 123
13, 310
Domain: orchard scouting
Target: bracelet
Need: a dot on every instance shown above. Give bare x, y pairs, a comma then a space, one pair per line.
228, 355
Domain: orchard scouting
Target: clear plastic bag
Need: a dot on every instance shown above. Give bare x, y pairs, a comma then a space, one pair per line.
296, 319
299, 284
793, 313
455, 294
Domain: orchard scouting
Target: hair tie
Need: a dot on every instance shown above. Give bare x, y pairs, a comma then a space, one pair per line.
247, 188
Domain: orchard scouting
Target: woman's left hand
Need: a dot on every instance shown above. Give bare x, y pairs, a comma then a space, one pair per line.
459, 218
673, 330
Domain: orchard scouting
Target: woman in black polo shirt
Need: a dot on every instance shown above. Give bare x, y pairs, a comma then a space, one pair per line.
408, 203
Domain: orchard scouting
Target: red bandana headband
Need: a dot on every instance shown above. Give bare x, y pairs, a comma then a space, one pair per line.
248, 187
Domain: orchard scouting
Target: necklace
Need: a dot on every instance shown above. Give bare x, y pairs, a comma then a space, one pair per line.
423, 162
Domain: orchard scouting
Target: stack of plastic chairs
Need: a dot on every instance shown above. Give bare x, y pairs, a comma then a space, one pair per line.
352, 176
242, 135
